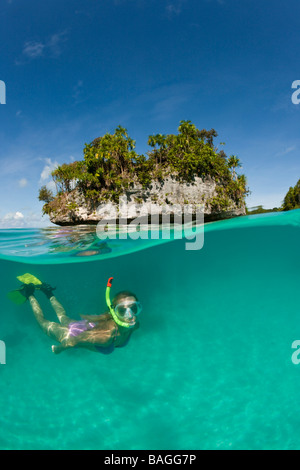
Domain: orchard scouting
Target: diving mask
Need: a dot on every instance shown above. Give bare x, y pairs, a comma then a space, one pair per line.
124, 310
127, 310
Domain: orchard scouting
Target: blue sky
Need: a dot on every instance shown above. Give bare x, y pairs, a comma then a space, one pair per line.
75, 69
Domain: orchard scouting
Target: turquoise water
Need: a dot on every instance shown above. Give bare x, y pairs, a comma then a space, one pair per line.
210, 366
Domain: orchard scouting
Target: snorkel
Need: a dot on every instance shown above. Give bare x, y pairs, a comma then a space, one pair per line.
111, 309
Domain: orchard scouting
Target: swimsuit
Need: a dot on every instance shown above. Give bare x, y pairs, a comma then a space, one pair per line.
77, 327
109, 349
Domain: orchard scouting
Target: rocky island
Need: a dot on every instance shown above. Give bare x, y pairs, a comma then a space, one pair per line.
180, 169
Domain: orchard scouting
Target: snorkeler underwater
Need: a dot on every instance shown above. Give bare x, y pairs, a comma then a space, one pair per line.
100, 333
149, 227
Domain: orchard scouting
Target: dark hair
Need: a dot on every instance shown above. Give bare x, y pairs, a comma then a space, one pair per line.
119, 297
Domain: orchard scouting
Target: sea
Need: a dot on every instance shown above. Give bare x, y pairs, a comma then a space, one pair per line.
214, 364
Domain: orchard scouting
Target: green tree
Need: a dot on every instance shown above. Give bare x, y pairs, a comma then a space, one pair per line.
292, 198
233, 163
45, 195
67, 175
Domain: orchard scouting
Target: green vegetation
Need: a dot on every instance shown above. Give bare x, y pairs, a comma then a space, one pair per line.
291, 202
261, 210
111, 166
45, 195
292, 198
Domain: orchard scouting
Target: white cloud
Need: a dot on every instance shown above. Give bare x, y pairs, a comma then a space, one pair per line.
19, 220
54, 45
174, 7
77, 92
16, 216
23, 182
47, 170
51, 185
35, 49
12, 219
286, 151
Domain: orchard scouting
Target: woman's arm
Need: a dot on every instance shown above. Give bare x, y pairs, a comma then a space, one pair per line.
97, 318
103, 337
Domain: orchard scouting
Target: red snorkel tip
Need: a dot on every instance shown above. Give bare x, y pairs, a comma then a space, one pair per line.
109, 282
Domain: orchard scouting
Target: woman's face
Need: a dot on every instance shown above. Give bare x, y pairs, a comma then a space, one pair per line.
127, 308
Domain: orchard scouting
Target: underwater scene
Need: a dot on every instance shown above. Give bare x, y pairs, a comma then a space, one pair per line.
210, 366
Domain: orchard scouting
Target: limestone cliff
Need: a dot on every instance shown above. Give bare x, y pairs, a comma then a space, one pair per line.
73, 208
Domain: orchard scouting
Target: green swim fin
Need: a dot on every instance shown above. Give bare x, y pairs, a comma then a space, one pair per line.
29, 279
17, 297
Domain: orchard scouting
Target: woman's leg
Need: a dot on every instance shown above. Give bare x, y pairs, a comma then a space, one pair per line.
52, 329
64, 320
57, 307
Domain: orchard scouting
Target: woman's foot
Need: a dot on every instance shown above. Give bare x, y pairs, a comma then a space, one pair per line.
47, 290
27, 290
